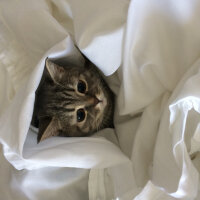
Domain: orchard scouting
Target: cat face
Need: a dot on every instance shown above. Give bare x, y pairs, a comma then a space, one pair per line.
72, 101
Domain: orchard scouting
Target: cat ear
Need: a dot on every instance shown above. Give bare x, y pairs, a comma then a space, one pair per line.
47, 128
55, 71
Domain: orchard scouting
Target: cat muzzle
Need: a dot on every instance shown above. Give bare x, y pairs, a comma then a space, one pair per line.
93, 101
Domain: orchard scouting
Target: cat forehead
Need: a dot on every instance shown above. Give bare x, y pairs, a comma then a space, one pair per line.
73, 69
74, 73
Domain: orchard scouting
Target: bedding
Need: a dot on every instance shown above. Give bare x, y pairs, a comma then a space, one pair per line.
149, 53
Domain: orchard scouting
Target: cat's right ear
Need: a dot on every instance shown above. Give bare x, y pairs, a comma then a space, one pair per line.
55, 71
48, 127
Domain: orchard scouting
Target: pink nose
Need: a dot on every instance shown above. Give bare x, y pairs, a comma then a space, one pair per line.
96, 101
92, 101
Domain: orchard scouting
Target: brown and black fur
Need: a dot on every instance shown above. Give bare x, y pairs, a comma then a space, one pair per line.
57, 101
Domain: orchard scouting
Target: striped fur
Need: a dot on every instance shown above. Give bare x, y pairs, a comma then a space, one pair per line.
58, 99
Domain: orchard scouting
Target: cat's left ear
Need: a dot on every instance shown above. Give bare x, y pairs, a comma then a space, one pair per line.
48, 128
55, 71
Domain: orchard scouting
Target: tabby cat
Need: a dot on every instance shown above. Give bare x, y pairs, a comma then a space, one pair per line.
72, 101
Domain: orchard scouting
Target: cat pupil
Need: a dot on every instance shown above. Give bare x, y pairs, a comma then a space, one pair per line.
81, 86
80, 115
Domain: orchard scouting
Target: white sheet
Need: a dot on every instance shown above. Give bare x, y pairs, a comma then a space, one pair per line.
151, 49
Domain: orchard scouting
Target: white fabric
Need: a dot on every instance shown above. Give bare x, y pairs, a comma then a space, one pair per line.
149, 50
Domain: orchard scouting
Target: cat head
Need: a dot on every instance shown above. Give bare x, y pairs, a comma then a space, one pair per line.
72, 101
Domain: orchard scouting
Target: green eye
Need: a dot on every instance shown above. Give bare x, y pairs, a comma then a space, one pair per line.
81, 86
80, 115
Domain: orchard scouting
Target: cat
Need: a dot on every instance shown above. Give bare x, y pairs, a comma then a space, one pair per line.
72, 101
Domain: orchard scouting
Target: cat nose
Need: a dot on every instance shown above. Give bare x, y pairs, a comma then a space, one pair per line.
96, 101
93, 101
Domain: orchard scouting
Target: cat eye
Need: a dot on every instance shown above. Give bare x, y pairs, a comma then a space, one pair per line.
80, 115
81, 86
